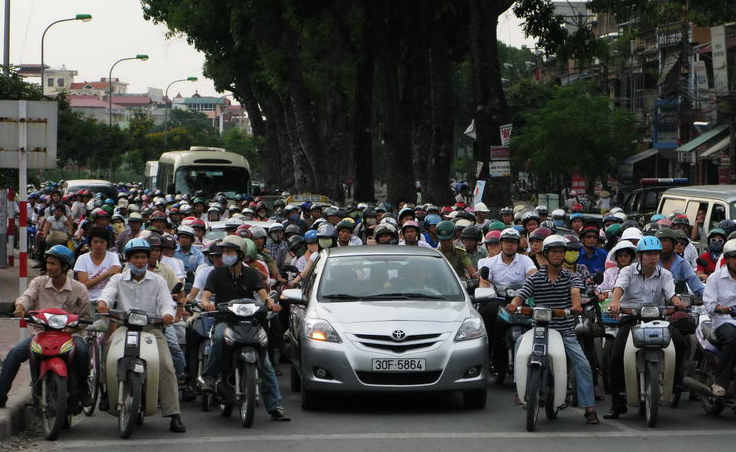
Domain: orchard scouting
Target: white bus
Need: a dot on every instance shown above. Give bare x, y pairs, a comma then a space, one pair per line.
208, 169
150, 174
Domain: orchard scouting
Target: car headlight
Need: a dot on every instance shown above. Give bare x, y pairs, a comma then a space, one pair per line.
321, 330
57, 321
472, 328
649, 312
136, 318
542, 314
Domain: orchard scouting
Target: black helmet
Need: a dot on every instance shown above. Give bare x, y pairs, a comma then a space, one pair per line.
651, 229
471, 232
728, 226
573, 242
630, 224
296, 242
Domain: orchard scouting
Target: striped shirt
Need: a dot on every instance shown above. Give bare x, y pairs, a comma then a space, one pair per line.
553, 295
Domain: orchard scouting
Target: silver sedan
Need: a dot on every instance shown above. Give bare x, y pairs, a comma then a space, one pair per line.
386, 318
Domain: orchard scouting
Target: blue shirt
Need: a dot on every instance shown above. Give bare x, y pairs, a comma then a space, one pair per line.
432, 243
682, 271
192, 259
595, 264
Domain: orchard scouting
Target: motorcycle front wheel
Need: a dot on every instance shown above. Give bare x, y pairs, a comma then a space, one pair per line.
532, 397
549, 402
131, 408
653, 394
54, 397
93, 377
248, 378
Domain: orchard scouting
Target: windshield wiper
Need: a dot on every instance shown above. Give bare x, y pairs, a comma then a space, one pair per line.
337, 296
407, 296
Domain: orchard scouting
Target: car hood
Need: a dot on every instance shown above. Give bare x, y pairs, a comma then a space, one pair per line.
386, 311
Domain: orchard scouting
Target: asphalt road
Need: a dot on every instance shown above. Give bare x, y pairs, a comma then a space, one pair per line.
427, 422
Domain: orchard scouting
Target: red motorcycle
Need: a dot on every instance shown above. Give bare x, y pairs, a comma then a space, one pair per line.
54, 383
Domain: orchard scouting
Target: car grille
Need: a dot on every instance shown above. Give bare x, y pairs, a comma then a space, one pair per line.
411, 342
399, 378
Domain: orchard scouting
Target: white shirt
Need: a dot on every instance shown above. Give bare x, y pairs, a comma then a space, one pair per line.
85, 264
176, 264
149, 294
720, 289
500, 273
421, 243
200, 279
691, 255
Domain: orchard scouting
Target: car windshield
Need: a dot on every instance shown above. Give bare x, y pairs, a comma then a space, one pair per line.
212, 179
388, 277
214, 234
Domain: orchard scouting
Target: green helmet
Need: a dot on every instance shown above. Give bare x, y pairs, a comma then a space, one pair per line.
251, 251
613, 231
445, 230
716, 231
497, 226
666, 233
345, 224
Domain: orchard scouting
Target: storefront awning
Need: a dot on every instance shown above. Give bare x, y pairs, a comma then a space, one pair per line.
626, 168
702, 139
716, 148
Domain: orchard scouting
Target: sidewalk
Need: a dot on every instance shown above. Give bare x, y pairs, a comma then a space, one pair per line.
14, 417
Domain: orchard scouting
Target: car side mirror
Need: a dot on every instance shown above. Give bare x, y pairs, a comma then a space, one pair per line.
293, 296
484, 294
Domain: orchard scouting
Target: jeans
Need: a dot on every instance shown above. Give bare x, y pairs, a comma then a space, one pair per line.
726, 334
581, 369
177, 356
21, 352
269, 384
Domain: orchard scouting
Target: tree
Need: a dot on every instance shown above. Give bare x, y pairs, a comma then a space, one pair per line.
575, 131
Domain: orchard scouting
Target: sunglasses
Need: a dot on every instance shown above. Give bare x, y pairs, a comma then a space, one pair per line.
714, 240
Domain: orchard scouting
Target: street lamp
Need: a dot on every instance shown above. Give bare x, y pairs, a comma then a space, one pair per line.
82, 17
166, 106
109, 80
222, 111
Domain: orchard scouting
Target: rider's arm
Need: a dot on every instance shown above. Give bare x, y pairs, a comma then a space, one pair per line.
710, 298
109, 294
692, 280
577, 301
29, 298
271, 303
69, 227
46, 228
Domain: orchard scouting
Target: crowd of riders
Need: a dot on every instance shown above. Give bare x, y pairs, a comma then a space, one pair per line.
131, 251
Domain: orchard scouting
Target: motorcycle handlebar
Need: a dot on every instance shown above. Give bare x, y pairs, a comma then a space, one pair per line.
556, 313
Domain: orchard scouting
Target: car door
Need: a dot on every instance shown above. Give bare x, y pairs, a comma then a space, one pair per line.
296, 312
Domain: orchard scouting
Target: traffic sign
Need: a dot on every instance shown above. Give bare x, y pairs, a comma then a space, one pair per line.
501, 168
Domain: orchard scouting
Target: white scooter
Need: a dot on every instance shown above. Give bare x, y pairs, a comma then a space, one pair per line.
540, 366
649, 361
132, 369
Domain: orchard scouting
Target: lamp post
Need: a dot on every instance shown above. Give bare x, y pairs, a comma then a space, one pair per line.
109, 80
166, 107
82, 17
222, 112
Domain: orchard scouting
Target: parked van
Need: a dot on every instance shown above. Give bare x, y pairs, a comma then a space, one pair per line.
717, 201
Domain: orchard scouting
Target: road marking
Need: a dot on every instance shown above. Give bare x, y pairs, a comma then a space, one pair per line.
629, 433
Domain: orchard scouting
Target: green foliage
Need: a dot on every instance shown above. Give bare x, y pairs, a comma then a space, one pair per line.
235, 140
575, 131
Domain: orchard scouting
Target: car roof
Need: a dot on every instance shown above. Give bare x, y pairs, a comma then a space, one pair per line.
724, 192
396, 250
75, 182
264, 224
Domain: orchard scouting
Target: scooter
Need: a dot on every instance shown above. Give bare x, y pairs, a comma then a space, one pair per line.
540, 367
709, 361
247, 342
132, 369
202, 329
54, 385
649, 361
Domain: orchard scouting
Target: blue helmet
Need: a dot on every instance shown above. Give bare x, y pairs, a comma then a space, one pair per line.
432, 219
134, 245
576, 215
519, 228
110, 201
64, 254
657, 217
311, 236
648, 243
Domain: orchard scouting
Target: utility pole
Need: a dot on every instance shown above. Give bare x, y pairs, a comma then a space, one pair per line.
6, 49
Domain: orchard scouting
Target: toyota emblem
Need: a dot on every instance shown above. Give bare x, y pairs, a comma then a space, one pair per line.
398, 335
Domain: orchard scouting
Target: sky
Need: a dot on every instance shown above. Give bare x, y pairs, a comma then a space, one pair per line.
117, 30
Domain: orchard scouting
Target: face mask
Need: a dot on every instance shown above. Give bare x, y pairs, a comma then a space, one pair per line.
370, 221
715, 247
325, 243
229, 259
137, 271
571, 257
293, 217
118, 228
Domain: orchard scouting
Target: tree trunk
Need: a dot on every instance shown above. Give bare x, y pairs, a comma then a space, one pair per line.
491, 108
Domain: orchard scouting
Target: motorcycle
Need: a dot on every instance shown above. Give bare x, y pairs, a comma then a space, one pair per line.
518, 324
132, 369
649, 361
54, 385
247, 341
540, 367
708, 362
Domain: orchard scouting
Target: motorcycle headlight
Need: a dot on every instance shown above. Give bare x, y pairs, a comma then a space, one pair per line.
57, 321
243, 310
542, 314
321, 330
472, 328
649, 312
138, 319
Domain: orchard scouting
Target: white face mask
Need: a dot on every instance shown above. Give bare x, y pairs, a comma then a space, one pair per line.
325, 242
136, 271
229, 259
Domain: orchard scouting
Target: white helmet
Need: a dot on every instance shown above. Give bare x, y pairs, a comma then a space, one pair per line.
234, 221
729, 249
510, 233
463, 223
558, 214
616, 210
620, 215
481, 207
631, 233
554, 241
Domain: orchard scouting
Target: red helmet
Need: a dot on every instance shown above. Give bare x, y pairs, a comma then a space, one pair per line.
157, 215
664, 223
244, 231
493, 237
577, 208
445, 210
100, 213
197, 223
253, 205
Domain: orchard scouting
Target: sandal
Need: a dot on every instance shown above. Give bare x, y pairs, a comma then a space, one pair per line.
592, 417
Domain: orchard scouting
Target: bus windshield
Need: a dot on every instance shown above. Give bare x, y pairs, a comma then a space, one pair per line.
212, 179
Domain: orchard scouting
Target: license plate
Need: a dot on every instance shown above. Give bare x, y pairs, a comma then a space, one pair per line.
399, 365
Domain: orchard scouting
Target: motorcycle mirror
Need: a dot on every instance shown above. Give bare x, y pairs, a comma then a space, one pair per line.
702, 262
484, 272
598, 278
177, 288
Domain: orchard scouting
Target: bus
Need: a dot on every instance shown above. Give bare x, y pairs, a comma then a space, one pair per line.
208, 169
149, 182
